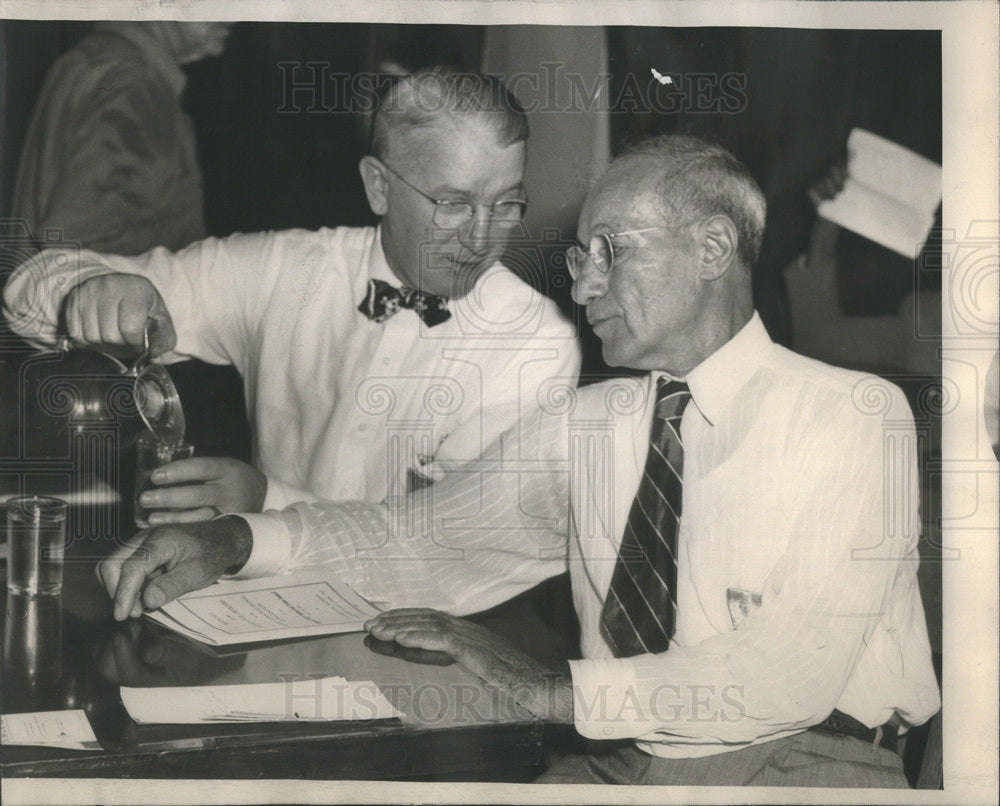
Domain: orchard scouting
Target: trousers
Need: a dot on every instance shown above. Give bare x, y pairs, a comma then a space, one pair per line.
806, 759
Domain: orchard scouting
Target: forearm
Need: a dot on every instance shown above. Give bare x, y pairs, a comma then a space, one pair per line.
354, 541
235, 541
474, 539
734, 688
544, 690
401, 555
541, 687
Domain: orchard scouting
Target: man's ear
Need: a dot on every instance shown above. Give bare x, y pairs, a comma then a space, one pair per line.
719, 242
376, 184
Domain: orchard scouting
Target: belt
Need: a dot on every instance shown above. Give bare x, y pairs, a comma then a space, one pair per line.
841, 724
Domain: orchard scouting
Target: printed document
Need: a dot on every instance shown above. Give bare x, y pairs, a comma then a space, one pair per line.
69, 729
267, 609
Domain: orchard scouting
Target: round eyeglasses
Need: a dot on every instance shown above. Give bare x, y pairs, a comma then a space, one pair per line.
454, 214
601, 251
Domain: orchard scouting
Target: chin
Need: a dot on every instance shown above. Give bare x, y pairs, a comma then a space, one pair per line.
613, 358
619, 355
466, 277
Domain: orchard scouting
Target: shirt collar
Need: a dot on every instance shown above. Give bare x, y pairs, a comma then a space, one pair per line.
157, 55
378, 263
717, 380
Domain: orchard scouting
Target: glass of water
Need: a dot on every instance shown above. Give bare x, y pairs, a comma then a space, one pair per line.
151, 454
36, 542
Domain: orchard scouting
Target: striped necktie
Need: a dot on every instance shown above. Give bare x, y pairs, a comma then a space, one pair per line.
641, 604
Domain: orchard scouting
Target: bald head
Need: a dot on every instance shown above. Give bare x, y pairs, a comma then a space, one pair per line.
692, 179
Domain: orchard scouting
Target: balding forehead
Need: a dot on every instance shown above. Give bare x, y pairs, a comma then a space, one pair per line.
415, 143
615, 203
627, 179
632, 170
409, 144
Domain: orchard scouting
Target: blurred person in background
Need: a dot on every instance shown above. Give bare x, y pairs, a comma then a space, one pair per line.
110, 158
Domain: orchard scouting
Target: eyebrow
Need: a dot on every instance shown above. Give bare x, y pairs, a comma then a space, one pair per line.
607, 227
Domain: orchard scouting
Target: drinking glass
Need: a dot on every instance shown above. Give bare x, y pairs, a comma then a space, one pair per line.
151, 454
36, 541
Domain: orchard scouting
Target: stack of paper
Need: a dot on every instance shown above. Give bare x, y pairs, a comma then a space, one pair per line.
890, 194
310, 699
69, 729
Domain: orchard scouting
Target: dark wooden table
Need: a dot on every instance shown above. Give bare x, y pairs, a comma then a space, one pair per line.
68, 653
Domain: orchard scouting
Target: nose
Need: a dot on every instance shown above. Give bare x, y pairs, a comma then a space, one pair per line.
479, 234
589, 284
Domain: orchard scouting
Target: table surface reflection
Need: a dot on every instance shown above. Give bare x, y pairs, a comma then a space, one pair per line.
67, 652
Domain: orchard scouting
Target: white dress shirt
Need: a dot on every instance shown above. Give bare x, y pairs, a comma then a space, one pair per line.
797, 588
342, 407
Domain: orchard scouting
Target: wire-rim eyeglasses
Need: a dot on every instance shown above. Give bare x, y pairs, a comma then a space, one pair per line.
453, 213
601, 250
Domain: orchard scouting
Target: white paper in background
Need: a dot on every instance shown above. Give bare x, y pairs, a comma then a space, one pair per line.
310, 699
890, 194
68, 729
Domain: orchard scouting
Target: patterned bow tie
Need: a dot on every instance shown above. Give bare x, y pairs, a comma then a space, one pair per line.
383, 301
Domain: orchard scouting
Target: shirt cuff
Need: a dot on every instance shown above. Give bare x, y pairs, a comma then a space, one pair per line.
271, 553
606, 702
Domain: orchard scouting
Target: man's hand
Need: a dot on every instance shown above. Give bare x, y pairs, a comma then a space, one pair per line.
830, 184
217, 486
542, 688
115, 310
160, 564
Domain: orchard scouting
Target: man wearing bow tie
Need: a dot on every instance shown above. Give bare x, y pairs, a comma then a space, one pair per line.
740, 524
373, 359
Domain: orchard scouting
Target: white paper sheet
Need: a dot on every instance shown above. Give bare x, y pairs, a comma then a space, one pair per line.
310, 699
68, 729
290, 606
890, 194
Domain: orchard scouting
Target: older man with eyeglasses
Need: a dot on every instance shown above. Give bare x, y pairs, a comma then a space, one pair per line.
370, 367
